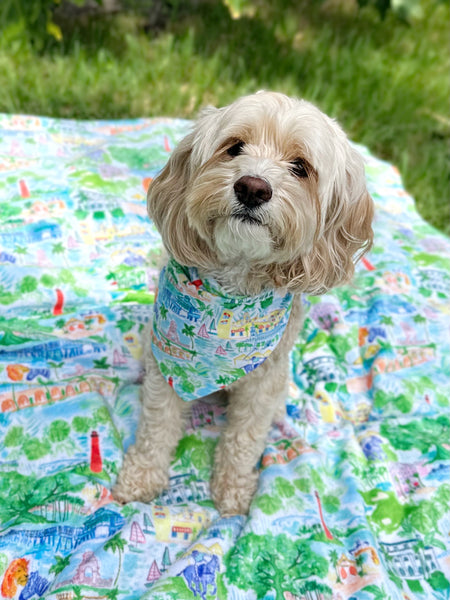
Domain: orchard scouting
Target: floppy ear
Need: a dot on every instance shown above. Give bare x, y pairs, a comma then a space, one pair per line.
345, 235
166, 207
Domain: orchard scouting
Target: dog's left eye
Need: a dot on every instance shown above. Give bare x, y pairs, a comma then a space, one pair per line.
236, 148
299, 168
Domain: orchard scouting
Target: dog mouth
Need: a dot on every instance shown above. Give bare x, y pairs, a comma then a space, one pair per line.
246, 217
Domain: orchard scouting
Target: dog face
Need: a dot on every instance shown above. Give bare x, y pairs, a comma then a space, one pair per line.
269, 182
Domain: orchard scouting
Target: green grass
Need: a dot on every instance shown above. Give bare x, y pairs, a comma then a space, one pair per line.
385, 81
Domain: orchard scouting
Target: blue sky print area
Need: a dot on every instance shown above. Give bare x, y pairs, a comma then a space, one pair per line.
353, 498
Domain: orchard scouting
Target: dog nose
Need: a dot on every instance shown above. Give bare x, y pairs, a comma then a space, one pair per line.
252, 191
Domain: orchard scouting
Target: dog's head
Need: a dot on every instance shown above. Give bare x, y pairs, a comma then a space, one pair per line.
270, 182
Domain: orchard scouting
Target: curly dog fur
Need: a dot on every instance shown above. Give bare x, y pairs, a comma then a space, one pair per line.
266, 193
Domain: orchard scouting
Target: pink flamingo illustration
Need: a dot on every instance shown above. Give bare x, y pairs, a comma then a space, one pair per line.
324, 525
58, 308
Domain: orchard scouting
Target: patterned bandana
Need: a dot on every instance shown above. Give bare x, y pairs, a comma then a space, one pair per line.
203, 339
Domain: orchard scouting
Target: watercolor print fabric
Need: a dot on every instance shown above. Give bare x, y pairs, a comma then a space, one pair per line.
204, 339
353, 499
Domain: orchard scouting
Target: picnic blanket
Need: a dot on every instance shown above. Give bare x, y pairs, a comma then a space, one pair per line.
353, 498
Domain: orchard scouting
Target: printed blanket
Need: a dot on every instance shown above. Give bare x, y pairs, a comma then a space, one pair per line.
353, 499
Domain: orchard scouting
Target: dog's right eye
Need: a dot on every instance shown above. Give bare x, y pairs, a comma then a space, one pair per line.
235, 149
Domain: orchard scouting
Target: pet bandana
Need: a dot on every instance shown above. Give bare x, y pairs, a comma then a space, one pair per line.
204, 339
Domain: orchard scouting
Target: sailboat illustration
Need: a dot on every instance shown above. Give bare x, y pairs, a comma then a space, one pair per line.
136, 537
165, 560
202, 332
153, 574
212, 326
148, 524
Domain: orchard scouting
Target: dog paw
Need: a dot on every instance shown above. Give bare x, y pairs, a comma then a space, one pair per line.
139, 480
232, 493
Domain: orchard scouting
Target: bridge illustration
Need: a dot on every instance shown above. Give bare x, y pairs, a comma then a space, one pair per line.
102, 524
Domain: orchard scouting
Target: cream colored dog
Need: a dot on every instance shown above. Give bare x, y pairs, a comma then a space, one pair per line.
264, 194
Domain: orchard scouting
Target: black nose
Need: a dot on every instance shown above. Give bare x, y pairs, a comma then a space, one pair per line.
252, 191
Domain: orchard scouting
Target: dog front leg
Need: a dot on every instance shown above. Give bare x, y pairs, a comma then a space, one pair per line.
253, 402
145, 471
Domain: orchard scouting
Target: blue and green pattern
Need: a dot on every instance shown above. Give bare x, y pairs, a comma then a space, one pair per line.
204, 339
353, 499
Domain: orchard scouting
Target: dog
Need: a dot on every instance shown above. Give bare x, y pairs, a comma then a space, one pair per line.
265, 200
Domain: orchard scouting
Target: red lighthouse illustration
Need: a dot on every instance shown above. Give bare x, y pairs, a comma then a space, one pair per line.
58, 306
166, 144
369, 266
96, 465
24, 191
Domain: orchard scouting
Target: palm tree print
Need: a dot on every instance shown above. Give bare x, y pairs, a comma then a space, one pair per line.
419, 319
61, 563
334, 558
58, 248
224, 380
188, 331
102, 363
21, 251
208, 313
385, 320
116, 544
359, 560
163, 312
55, 366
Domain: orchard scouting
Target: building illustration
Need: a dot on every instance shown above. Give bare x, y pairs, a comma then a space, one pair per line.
409, 559
407, 477
172, 347
410, 357
180, 527
284, 451
227, 328
180, 304
44, 394
435, 280
55, 350
88, 572
205, 413
180, 491
321, 368
346, 568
